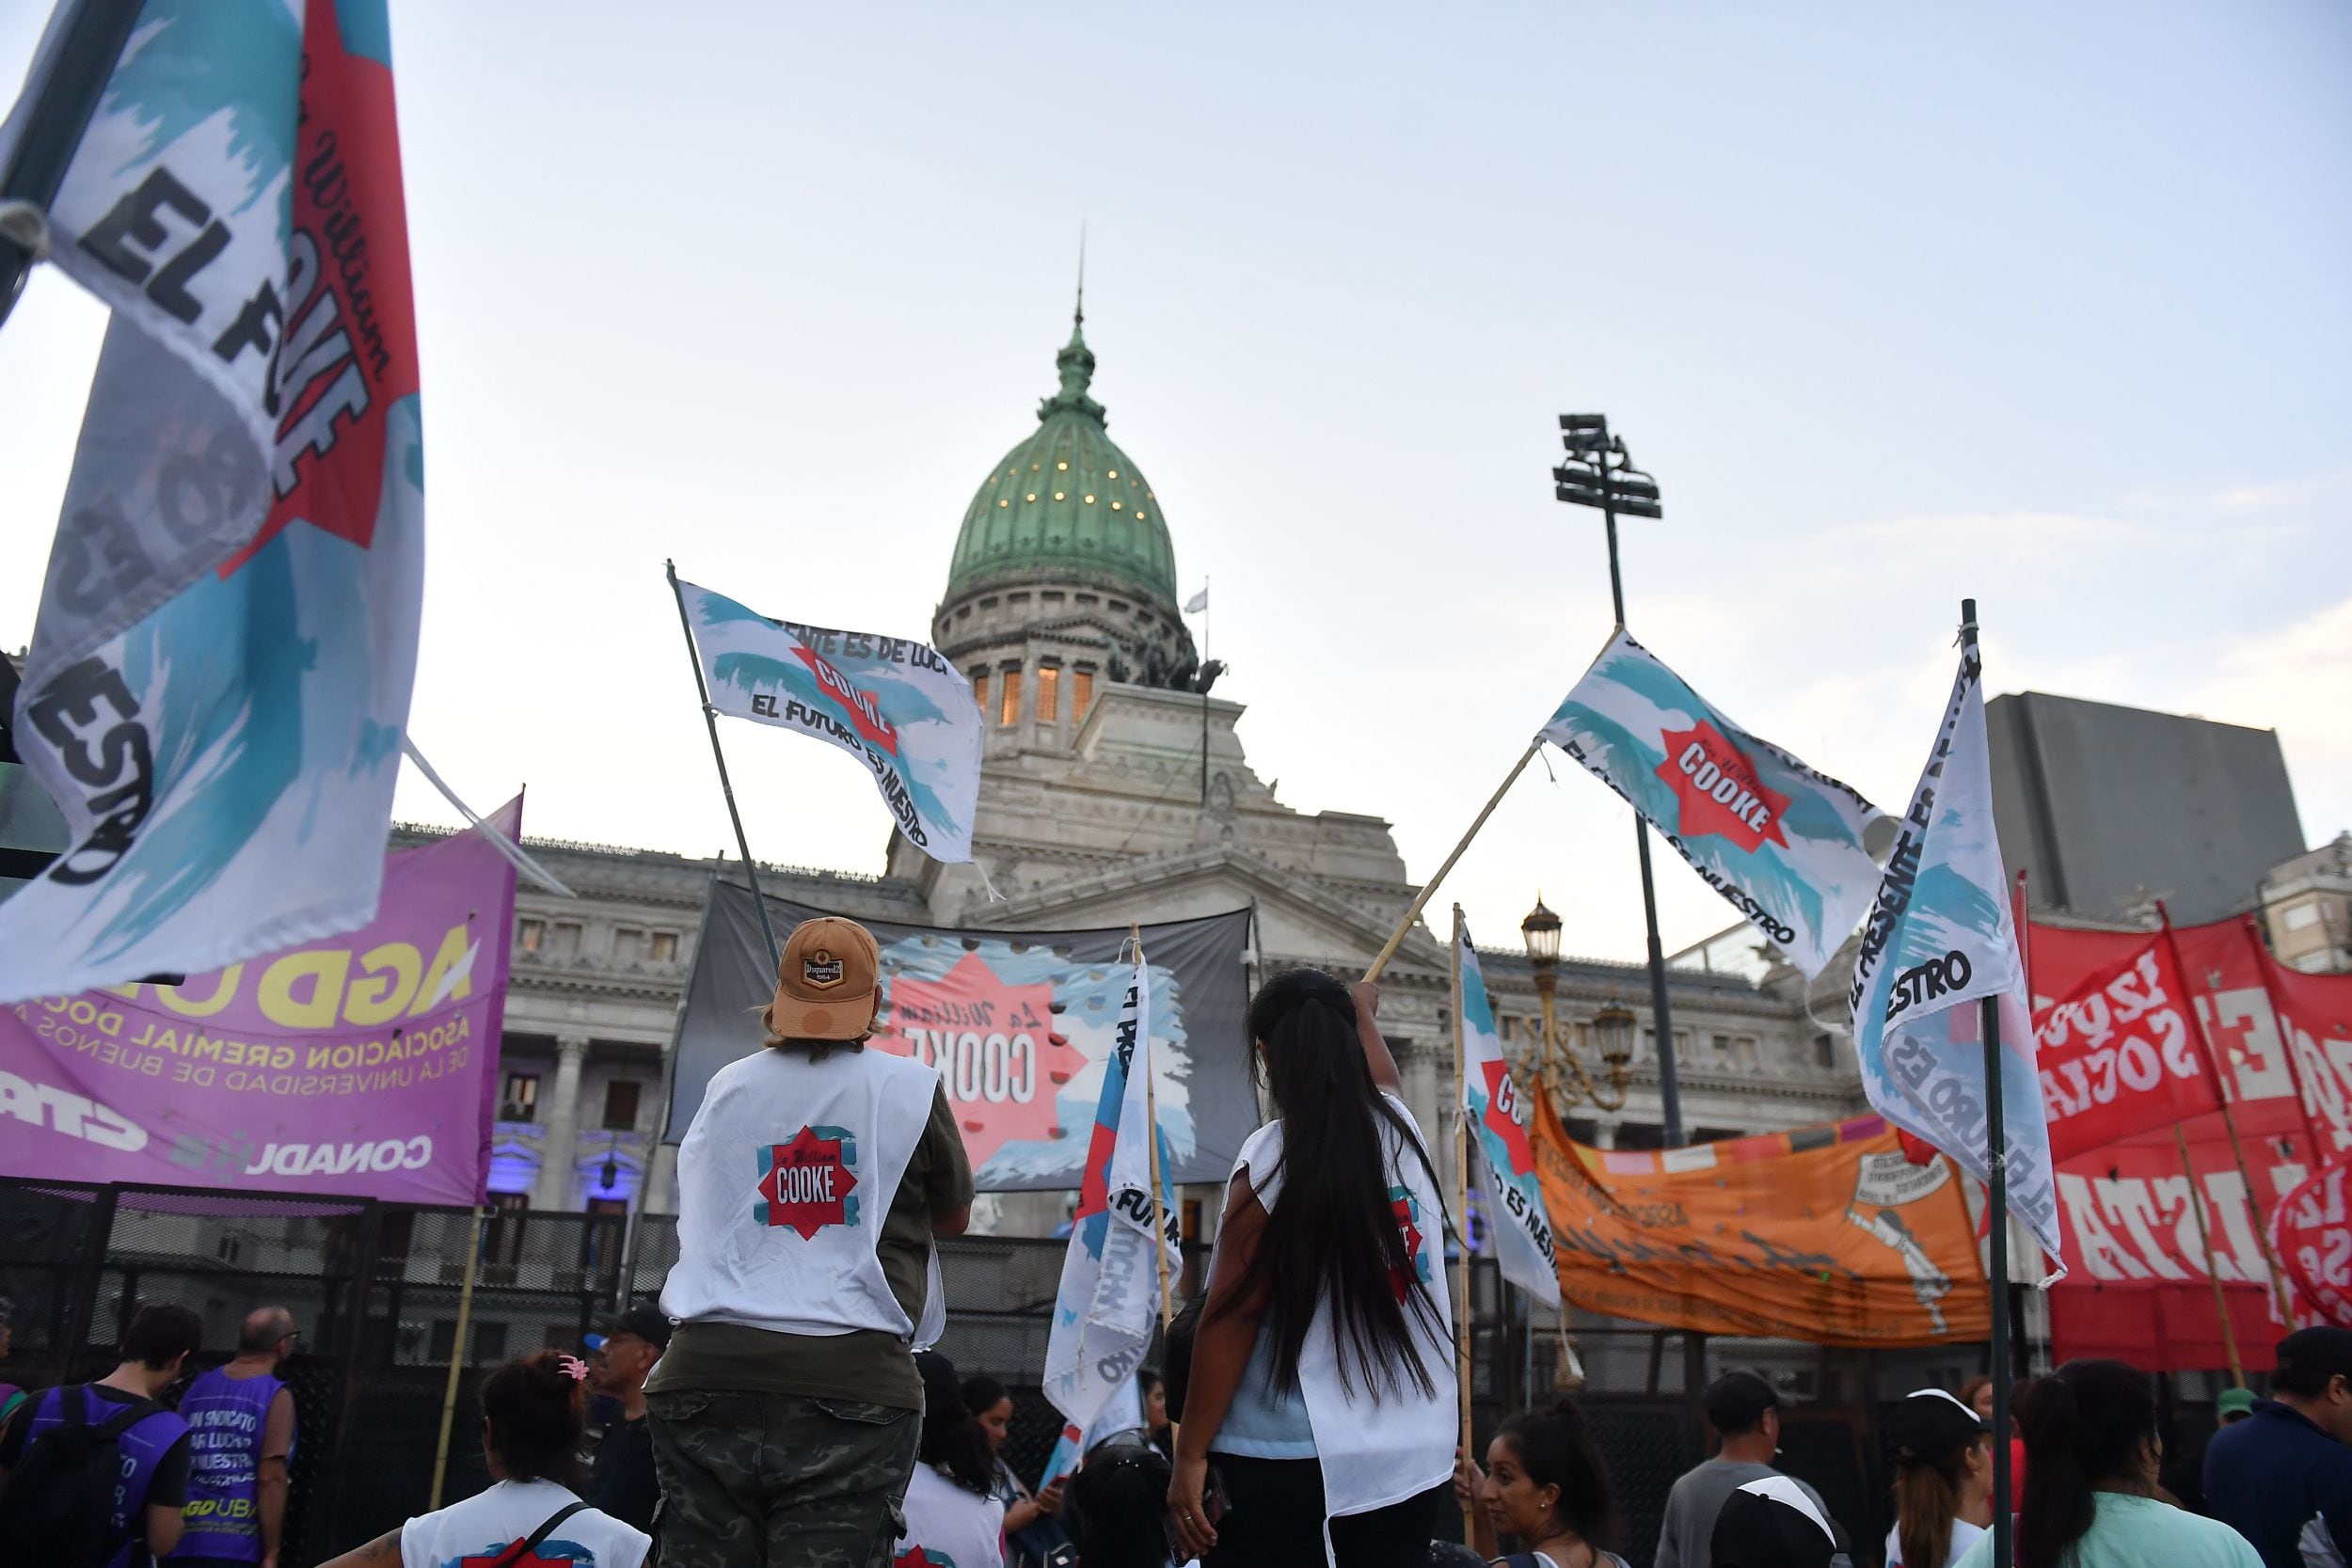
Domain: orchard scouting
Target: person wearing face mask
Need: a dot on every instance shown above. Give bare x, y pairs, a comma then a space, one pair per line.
1943, 1481
1545, 1484
2092, 1449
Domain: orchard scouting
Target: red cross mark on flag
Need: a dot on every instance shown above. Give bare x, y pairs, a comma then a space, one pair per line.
1503, 1114
1717, 788
805, 1185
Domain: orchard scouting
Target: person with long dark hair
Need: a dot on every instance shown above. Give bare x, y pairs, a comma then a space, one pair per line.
533, 1417
1322, 1381
1544, 1482
2092, 1449
1031, 1532
1118, 1505
952, 1511
1943, 1481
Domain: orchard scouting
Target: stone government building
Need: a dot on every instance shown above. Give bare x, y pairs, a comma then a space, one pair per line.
1096, 809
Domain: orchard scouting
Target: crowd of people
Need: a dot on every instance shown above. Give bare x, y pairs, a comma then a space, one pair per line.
777, 1410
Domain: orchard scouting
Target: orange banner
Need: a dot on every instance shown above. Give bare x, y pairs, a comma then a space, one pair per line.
1823, 1234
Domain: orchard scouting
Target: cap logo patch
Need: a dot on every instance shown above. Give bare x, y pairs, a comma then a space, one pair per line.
821, 968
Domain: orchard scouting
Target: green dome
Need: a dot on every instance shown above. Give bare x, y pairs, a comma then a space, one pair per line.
1066, 503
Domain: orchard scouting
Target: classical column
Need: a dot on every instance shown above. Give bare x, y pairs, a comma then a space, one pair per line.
554, 1188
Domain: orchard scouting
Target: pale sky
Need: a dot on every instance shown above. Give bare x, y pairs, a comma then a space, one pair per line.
2044, 304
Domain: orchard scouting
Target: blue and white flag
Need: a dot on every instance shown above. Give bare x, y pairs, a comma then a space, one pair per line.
1518, 1220
1940, 940
1110, 1299
895, 705
1781, 842
1122, 1411
218, 682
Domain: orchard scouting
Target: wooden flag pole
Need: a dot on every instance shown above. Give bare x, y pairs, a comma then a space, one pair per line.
456, 1360
1461, 1182
1152, 1115
2213, 1269
1412, 913
2283, 1298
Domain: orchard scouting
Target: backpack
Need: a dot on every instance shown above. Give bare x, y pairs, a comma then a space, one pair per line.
59, 1498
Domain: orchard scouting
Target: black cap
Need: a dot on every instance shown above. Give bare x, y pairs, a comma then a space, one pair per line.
645, 1323
1772, 1523
1932, 1423
1737, 1399
2310, 1357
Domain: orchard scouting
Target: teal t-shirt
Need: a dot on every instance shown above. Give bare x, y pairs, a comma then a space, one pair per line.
2131, 1532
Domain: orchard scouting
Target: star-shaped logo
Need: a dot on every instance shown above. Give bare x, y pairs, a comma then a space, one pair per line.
808, 1183
1407, 1221
1506, 1116
920, 1557
1717, 790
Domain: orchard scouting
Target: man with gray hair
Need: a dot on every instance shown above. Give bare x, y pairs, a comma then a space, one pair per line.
240, 1440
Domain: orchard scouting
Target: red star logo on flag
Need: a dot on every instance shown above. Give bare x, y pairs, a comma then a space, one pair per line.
1717, 790
805, 1184
1401, 1203
1503, 1117
915, 1557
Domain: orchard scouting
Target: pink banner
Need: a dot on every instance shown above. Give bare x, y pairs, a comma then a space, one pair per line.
362, 1067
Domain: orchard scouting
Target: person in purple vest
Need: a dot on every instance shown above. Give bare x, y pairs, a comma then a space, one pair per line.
154, 1449
241, 1439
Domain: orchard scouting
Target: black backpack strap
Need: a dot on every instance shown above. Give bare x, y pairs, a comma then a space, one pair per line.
521, 1549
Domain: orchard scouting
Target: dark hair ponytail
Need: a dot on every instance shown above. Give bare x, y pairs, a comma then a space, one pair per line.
1556, 1448
534, 1409
1927, 1500
953, 1441
1333, 1236
2084, 1425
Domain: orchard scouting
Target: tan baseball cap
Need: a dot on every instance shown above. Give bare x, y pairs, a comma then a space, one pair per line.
828, 982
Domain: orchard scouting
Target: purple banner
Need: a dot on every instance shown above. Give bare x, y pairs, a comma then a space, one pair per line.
362, 1067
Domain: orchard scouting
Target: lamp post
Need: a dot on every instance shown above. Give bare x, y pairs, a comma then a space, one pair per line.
1599, 472
1558, 1065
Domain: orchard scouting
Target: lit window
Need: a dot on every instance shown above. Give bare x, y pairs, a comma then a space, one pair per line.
980, 689
664, 947
528, 934
1081, 691
1009, 712
1048, 692
521, 1100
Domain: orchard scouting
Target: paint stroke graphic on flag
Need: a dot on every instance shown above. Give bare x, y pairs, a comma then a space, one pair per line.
1110, 1299
1781, 842
1941, 939
1492, 1100
895, 704
219, 678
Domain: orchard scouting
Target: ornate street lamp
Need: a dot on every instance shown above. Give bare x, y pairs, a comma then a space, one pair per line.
1557, 1063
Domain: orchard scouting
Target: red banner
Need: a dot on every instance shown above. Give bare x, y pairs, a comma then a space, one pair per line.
2121, 1055
2312, 1237
2140, 1288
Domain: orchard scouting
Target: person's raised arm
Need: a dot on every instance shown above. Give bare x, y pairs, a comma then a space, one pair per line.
1220, 1354
1384, 1073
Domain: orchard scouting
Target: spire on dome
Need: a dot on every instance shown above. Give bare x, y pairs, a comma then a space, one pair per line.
1075, 361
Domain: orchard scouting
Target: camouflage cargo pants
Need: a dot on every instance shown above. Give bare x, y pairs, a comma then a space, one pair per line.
766, 1480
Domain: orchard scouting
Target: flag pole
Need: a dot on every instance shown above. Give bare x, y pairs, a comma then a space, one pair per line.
1461, 1195
1996, 1168
2283, 1298
1152, 1115
456, 1360
1412, 913
88, 48
710, 718
2213, 1269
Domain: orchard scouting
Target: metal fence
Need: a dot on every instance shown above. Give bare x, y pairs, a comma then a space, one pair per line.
374, 1288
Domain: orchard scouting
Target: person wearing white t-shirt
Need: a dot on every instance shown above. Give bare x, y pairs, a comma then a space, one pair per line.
530, 1435
953, 1516
1322, 1384
1943, 1481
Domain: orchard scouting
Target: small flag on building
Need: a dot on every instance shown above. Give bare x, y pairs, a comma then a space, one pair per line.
1199, 602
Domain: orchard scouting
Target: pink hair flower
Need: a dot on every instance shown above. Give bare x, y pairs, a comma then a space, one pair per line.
573, 1368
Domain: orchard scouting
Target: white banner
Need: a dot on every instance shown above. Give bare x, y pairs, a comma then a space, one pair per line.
1516, 1216
1940, 938
895, 705
218, 684
1781, 842
1110, 1299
